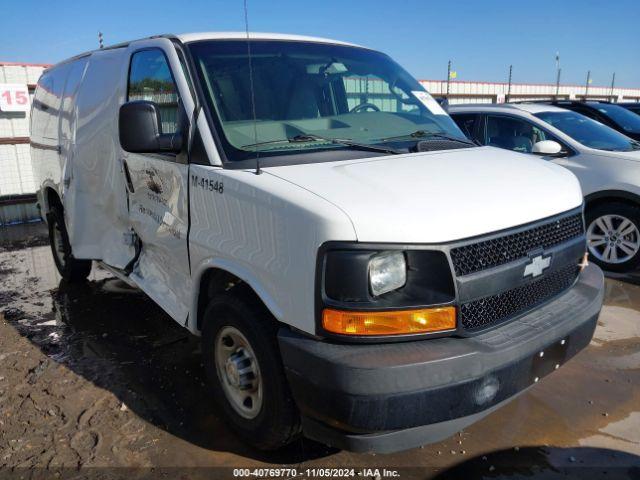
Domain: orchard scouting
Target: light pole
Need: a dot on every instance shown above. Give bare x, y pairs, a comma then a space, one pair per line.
509, 86
558, 72
448, 77
586, 88
613, 84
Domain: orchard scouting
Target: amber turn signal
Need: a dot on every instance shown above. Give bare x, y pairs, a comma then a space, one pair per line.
396, 322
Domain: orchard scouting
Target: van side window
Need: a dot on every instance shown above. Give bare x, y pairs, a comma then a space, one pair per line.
150, 79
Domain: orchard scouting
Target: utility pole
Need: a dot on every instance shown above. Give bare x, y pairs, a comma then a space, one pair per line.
613, 84
509, 87
586, 88
558, 72
448, 77
100, 40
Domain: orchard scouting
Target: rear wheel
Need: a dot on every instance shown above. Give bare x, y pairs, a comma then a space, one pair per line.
71, 269
613, 236
244, 369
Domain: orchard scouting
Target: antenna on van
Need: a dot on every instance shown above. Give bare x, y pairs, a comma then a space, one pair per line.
253, 99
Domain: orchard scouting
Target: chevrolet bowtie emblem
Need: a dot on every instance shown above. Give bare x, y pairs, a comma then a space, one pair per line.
537, 265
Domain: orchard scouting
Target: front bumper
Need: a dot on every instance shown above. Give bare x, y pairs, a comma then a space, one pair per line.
394, 396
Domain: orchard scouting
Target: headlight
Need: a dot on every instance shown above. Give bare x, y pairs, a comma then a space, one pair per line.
387, 272
365, 291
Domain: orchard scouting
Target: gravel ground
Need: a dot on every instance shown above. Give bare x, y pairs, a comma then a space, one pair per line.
96, 381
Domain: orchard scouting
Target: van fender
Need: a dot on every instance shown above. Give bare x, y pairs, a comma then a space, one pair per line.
243, 273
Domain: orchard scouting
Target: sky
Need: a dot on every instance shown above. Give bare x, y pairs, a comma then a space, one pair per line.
481, 38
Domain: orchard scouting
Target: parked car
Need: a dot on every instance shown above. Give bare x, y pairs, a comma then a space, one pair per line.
605, 162
631, 106
357, 269
610, 114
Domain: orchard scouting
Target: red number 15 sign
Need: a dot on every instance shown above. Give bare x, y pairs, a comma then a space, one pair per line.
14, 97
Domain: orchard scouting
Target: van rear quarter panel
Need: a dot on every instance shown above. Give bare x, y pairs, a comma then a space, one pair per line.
44, 135
267, 232
98, 206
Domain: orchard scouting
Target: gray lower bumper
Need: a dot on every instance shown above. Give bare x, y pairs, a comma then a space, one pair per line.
395, 396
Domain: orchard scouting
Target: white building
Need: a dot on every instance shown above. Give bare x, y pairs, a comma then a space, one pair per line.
16, 175
492, 92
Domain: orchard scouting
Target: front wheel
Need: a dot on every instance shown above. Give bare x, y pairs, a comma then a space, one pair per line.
613, 236
244, 369
71, 269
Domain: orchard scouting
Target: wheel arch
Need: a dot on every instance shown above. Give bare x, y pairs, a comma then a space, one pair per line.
51, 198
606, 196
624, 200
219, 275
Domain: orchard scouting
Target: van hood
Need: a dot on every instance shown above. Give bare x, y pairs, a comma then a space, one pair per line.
437, 197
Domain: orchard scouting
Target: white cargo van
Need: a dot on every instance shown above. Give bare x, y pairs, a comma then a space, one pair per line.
359, 272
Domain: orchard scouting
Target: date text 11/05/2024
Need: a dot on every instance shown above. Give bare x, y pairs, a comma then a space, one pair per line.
315, 473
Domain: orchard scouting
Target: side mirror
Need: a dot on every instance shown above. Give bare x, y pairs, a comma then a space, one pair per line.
546, 147
140, 129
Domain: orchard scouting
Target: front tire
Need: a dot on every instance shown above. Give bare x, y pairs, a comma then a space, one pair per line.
244, 368
71, 269
613, 236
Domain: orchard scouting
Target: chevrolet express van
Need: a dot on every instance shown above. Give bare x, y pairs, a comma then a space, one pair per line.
358, 271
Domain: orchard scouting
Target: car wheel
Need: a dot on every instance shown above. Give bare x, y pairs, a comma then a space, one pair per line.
244, 369
613, 236
71, 269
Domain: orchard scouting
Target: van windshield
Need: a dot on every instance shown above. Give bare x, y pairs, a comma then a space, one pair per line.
588, 132
306, 94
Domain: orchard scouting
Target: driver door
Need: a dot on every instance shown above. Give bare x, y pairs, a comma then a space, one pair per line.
157, 189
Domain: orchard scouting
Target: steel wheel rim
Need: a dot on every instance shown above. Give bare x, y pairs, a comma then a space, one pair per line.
239, 372
58, 243
613, 239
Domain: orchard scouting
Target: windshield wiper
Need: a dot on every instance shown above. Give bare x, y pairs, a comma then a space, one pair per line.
336, 141
423, 133
360, 146
294, 139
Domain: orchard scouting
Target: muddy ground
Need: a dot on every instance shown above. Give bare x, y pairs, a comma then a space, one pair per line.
96, 380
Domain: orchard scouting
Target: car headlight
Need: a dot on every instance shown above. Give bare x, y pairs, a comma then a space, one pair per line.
387, 272
368, 291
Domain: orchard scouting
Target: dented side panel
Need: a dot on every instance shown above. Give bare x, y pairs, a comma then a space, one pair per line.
98, 216
159, 216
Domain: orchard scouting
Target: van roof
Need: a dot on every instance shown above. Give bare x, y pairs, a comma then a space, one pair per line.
195, 37
198, 36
